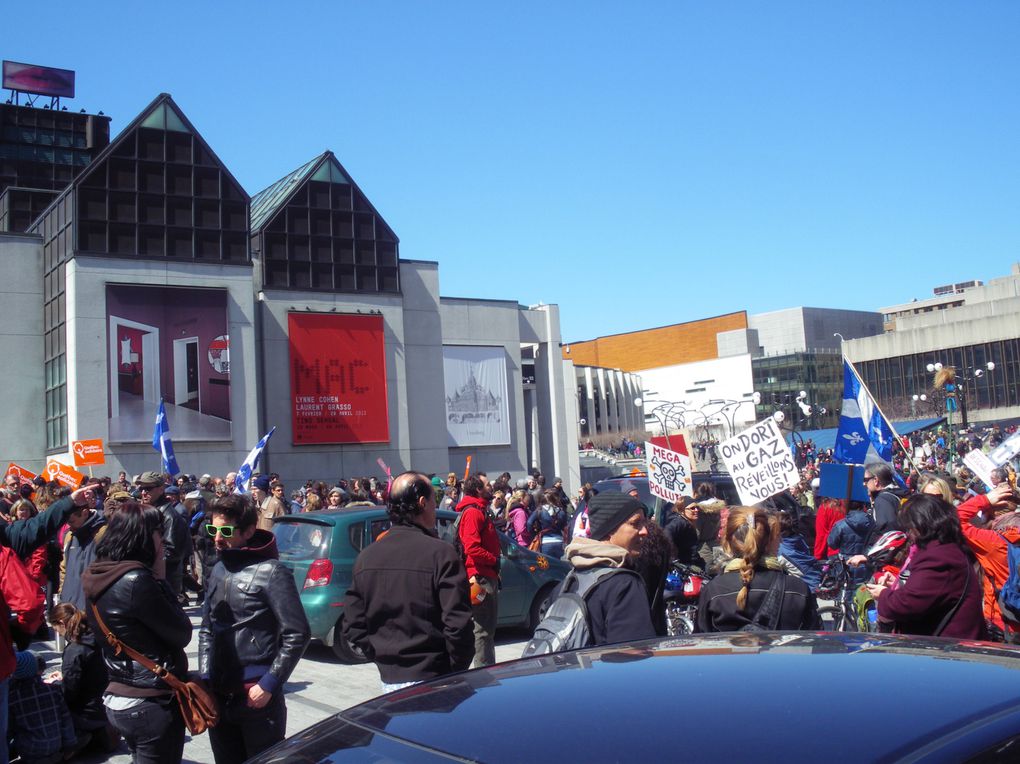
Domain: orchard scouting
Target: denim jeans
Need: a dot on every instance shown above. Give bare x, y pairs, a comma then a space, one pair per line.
243, 732
153, 730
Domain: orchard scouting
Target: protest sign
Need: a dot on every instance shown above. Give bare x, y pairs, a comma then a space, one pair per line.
63, 474
980, 465
760, 462
1005, 450
669, 472
88, 452
25, 476
842, 481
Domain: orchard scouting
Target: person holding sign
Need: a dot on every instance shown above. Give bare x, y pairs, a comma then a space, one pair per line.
755, 592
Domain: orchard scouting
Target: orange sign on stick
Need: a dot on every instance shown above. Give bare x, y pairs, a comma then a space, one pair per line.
88, 452
25, 476
63, 474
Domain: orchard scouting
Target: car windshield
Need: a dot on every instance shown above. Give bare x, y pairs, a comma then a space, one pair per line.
302, 541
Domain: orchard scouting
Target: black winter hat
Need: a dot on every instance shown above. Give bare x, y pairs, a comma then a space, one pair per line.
609, 510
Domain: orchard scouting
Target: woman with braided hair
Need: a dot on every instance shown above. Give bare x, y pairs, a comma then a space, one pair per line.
733, 600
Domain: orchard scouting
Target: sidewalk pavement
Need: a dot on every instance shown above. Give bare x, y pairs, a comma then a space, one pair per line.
319, 687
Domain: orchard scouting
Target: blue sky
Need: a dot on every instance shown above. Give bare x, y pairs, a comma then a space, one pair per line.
639, 164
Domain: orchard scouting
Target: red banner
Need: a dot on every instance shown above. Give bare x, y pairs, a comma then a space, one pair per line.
337, 379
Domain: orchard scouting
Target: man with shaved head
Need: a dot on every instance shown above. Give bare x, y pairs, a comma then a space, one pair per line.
409, 608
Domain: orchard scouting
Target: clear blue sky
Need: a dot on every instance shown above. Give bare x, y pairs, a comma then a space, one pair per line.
639, 164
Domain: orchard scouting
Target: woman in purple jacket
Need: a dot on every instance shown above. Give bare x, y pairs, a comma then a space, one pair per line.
938, 592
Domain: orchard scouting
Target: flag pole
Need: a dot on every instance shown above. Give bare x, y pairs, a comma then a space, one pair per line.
896, 435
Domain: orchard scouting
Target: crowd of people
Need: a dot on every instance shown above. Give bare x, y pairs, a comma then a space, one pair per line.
121, 559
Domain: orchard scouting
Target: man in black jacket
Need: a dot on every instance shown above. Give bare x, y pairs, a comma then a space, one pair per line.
254, 632
618, 606
886, 498
408, 607
176, 537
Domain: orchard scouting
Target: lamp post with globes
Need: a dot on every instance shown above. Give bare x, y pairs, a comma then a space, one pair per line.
950, 383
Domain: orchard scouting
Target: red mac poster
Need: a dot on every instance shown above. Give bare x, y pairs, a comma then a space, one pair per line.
337, 379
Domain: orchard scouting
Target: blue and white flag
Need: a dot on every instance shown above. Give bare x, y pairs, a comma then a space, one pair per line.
251, 461
864, 435
161, 442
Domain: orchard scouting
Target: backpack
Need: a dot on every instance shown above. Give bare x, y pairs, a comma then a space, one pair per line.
566, 625
451, 535
1009, 595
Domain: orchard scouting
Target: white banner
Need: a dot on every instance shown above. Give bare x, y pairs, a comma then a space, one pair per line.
760, 462
477, 412
669, 472
1005, 450
980, 465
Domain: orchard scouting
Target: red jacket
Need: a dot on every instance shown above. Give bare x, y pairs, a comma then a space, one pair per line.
990, 549
21, 597
478, 537
829, 513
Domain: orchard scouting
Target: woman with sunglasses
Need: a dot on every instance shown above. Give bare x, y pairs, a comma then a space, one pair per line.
142, 611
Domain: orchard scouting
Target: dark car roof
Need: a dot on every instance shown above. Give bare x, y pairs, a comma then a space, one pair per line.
725, 697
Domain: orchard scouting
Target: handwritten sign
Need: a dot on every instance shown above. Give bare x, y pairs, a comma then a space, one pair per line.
669, 472
760, 462
88, 452
63, 474
980, 465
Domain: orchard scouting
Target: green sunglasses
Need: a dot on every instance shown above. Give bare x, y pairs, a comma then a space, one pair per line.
225, 530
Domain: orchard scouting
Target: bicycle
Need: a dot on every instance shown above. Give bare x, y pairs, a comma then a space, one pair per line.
838, 586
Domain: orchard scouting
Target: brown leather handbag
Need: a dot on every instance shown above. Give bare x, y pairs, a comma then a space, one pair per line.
198, 706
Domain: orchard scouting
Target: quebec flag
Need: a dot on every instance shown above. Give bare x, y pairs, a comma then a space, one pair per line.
251, 461
863, 431
161, 442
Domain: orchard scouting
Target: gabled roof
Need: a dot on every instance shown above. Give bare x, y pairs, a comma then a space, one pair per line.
162, 113
326, 168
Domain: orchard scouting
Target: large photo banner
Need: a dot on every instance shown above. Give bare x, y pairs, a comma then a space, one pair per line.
169, 344
477, 412
337, 378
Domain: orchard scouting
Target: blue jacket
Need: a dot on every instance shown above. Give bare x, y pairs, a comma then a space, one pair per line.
850, 535
796, 551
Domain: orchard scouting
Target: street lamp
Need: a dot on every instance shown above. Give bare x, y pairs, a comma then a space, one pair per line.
913, 403
950, 384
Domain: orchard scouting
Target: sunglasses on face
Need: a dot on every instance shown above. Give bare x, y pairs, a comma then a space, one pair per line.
224, 530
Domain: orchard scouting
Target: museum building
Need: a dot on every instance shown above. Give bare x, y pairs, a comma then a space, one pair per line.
152, 275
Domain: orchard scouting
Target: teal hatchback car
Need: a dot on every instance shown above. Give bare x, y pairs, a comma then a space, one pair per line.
320, 547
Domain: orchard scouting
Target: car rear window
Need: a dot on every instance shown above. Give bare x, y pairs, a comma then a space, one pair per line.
302, 541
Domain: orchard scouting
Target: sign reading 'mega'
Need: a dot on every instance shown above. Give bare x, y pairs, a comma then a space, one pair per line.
337, 378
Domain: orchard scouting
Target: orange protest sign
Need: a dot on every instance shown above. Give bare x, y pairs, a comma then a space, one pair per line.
63, 474
25, 476
467, 468
88, 452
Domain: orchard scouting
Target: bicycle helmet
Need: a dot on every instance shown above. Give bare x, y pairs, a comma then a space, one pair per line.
887, 546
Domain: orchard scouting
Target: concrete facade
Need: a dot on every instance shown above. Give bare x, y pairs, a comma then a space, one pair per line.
985, 327
197, 231
22, 438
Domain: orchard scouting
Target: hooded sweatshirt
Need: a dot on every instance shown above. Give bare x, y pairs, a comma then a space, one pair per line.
618, 607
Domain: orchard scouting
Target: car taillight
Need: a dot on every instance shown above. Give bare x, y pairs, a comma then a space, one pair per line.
319, 573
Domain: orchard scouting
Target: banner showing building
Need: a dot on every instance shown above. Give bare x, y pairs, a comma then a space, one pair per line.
159, 341
760, 462
477, 412
669, 472
337, 379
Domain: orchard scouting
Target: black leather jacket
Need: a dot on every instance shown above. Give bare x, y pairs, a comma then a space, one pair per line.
254, 628
143, 613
